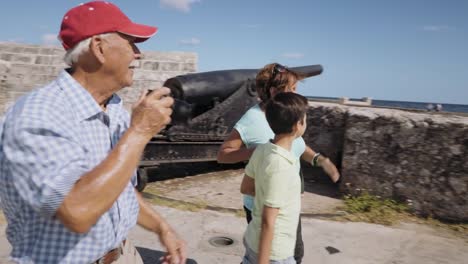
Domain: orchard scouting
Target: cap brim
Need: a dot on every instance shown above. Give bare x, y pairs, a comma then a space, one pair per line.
139, 31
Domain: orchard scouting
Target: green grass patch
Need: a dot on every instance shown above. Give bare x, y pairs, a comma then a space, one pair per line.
456, 227
373, 209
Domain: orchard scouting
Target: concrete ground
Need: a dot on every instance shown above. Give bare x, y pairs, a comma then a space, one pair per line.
326, 241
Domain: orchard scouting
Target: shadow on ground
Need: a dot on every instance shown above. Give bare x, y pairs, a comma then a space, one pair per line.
317, 182
181, 170
152, 256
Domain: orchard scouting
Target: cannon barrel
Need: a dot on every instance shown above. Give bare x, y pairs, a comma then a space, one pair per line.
201, 88
198, 92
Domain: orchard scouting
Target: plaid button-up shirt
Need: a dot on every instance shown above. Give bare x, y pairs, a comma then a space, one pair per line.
49, 139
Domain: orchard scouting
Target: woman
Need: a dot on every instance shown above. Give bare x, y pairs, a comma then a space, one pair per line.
253, 129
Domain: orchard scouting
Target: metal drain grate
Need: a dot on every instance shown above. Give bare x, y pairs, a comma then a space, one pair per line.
221, 241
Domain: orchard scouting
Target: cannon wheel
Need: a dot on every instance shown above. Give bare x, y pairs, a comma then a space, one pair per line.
142, 178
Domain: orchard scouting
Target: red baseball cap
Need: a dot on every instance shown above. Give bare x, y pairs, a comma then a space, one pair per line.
98, 17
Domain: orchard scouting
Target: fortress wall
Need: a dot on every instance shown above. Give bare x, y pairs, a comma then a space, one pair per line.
416, 157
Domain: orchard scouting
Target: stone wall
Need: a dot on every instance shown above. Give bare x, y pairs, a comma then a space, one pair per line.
24, 67
415, 157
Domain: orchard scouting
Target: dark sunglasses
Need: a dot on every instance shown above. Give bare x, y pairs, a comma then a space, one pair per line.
277, 69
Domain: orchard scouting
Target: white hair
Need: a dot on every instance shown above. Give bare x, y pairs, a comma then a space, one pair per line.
72, 55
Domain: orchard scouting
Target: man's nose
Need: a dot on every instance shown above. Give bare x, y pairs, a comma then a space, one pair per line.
136, 52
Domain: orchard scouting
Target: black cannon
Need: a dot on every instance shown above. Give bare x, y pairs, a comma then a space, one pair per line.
207, 106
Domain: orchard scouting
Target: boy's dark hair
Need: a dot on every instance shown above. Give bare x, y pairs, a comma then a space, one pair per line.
284, 111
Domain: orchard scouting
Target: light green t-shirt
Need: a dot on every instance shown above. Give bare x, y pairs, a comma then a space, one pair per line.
278, 185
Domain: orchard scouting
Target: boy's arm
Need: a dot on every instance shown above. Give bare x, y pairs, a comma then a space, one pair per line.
266, 234
248, 185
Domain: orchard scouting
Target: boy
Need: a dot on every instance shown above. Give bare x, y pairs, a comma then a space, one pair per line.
272, 176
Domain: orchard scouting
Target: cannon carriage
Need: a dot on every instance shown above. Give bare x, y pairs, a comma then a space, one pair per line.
207, 106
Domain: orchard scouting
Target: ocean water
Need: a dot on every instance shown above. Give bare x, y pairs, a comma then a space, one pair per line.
457, 108
418, 105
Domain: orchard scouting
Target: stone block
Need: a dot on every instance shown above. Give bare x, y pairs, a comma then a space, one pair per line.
183, 57
22, 58
49, 60
27, 69
147, 75
150, 65
145, 84
31, 50
43, 60
189, 67
4, 68
51, 50
15, 49
169, 66
163, 76
6, 56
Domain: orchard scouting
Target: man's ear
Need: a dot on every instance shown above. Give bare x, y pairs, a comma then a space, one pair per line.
96, 48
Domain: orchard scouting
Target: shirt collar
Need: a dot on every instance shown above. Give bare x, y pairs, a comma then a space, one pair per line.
288, 155
81, 101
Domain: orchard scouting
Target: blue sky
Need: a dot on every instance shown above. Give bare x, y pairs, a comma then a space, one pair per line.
413, 50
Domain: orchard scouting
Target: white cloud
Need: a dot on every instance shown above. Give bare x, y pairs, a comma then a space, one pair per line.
190, 42
179, 5
292, 55
50, 39
436, 28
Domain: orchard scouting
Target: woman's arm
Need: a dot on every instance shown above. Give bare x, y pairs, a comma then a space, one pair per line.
248, 185
324, 162
233, 149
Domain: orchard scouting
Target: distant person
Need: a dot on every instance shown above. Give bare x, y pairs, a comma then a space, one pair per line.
272, 176
430, 107
69, 150
438, 107
253, 129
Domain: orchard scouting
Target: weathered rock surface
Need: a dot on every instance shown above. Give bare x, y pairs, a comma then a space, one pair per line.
417, 157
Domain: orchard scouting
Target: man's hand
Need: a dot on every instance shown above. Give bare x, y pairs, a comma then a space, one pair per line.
329, 168
176, 251
152, 112
149, 219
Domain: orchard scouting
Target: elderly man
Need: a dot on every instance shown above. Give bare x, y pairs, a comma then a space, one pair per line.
69, 150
